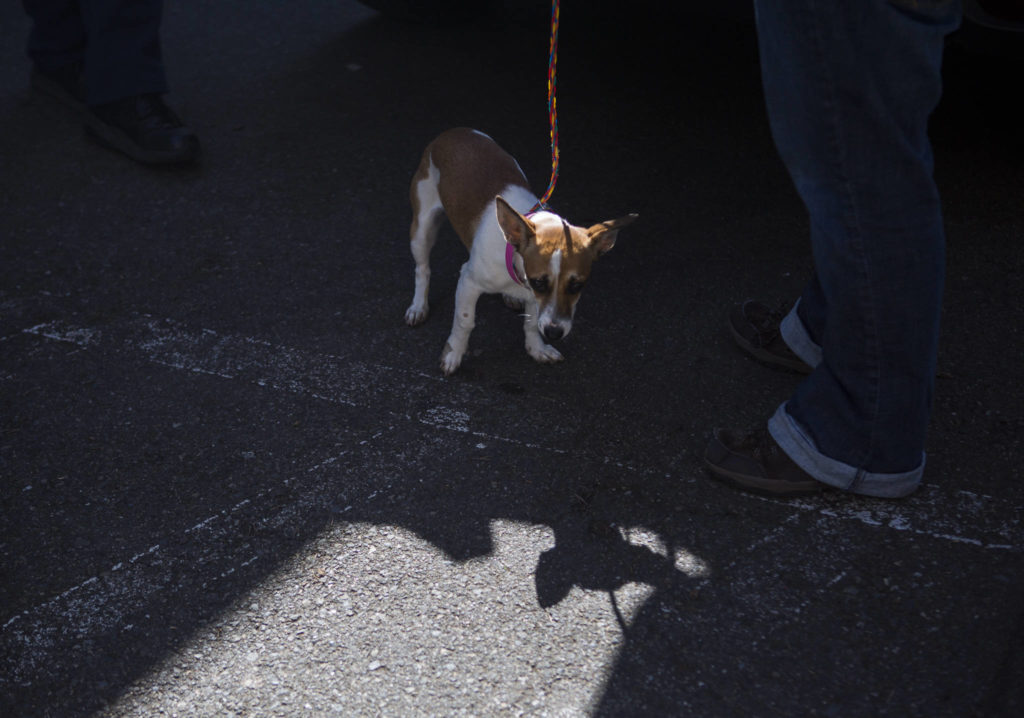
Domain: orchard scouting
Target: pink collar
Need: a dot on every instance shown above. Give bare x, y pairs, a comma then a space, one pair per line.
510, 250
510, 263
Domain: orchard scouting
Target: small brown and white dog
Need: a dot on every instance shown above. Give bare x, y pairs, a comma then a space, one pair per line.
537, 261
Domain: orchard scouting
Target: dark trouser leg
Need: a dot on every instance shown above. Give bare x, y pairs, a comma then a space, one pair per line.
849, 88
122, 57
57, 38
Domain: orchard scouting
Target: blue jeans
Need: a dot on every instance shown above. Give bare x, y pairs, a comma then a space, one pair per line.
849, 87
116, 41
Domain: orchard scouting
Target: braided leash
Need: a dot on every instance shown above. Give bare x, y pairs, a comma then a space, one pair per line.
542, 203
552, 107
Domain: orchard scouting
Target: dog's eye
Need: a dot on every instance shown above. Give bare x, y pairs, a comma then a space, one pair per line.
575, 285
541, 285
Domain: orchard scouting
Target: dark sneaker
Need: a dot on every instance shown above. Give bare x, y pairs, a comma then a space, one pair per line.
63, 84
752, 461
755, 328
145, 129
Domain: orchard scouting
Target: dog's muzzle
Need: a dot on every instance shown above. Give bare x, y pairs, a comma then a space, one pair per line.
554, 332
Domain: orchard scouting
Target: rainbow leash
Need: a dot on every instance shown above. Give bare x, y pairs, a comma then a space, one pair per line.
552, 107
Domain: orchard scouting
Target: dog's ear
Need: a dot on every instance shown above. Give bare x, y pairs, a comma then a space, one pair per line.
518, 230
603, 235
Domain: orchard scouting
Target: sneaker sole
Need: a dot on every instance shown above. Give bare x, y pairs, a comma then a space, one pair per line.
113, 138
764, 487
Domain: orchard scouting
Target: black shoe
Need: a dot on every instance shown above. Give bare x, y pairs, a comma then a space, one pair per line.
752, 461
755, 328
63, 84
145, 129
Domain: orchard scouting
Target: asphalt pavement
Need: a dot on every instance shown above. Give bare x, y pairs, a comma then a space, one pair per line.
234, 482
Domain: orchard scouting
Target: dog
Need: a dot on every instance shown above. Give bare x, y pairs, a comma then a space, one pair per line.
536, 261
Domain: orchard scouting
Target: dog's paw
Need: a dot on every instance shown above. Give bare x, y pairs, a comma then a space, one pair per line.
514, 303
416, 314
544, 353
450, 360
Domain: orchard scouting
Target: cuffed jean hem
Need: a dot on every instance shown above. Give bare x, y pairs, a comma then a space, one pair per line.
798, 340
793, 440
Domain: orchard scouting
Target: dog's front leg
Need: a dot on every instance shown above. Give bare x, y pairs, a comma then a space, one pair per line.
466, 294
536, 347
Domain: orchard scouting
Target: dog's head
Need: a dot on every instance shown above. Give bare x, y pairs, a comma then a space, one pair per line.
557, 257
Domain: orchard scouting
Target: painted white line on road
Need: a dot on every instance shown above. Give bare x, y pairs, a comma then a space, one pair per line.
961, 517
332, 379
948, 517
321, 376
62, 332
431, 419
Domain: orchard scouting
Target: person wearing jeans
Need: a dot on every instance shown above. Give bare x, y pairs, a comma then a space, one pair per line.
103, 58
849, 88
